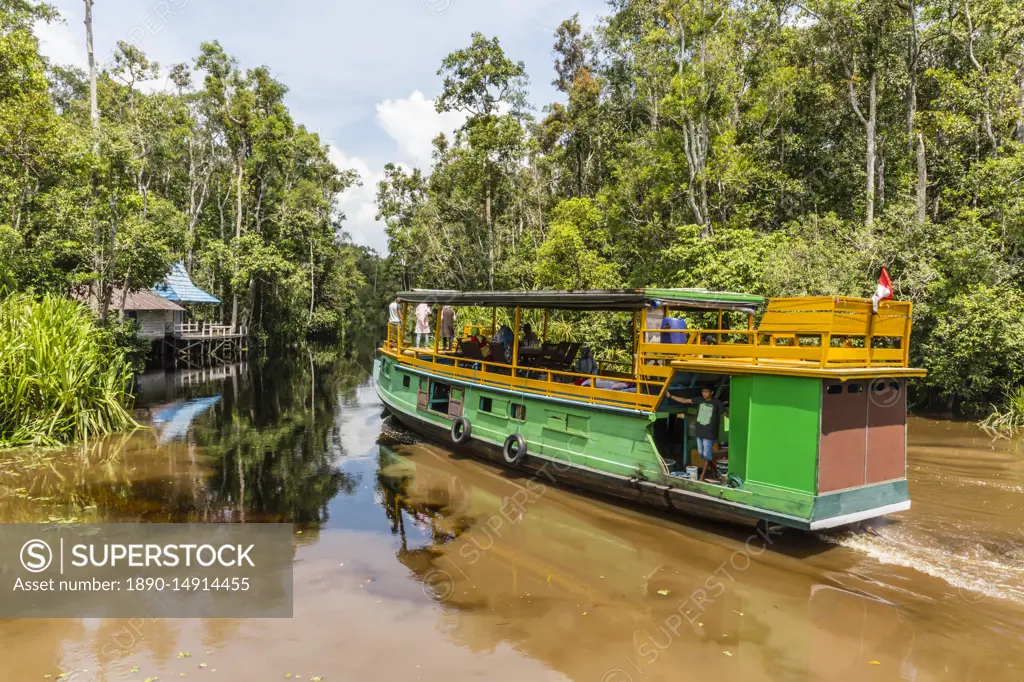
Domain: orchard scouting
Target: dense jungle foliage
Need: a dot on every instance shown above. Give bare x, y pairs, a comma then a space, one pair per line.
775, 147
197, 162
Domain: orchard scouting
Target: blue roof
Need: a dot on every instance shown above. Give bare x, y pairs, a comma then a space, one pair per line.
177, 286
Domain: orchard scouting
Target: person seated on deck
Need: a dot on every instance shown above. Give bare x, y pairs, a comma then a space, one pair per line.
709, 414
503, 335
529, 338
586, 364
485, 347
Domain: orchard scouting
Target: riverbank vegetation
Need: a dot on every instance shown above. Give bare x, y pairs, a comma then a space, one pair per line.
62, 377
109, 177
775, 147
199, 162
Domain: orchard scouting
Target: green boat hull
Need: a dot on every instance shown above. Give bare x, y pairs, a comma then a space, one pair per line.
610, 451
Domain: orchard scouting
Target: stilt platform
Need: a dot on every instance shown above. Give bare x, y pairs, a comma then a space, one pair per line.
194, 347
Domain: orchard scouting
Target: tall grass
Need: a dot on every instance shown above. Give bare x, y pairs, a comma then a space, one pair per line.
62, 378
1009, 417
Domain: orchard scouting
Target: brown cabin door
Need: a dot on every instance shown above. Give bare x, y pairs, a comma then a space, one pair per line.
422, 401
455, 400
844, 417
887, 430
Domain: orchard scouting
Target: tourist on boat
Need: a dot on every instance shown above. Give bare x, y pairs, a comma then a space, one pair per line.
394, 318
529, 339
422, 325
709, 414
586, 364
447, 327
504, 335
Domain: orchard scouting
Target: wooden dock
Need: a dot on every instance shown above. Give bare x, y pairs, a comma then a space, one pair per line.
194, 345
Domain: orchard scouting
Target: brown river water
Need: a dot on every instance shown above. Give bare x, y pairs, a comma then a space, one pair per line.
411, 563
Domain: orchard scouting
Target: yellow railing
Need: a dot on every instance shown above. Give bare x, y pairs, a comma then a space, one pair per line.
823, 331
811, 334
645, 394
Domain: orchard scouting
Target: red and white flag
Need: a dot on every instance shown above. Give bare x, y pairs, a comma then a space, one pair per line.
884, 290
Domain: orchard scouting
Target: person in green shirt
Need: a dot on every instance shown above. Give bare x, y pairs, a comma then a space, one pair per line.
709, 415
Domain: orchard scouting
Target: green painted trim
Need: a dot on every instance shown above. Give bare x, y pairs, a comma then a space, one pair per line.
860, 499
686, 295
621, 445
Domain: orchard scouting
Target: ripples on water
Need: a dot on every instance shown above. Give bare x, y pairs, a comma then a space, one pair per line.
410, 566
966, 526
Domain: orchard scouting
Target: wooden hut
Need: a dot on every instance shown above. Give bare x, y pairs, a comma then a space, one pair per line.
154, 315
195, 344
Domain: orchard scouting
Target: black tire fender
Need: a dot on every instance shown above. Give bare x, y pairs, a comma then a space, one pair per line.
461, 430
514, 450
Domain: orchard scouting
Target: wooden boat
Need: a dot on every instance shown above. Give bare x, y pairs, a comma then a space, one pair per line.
816, 393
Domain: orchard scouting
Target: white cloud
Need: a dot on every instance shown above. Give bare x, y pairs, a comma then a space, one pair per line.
62, 45
413, 123
358, 202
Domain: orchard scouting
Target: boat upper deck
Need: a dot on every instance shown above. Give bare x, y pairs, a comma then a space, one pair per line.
838, 337
828, 337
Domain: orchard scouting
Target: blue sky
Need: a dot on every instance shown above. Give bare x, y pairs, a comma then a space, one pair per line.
362, 74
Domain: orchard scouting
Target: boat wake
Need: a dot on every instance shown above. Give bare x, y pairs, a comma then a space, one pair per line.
979, 569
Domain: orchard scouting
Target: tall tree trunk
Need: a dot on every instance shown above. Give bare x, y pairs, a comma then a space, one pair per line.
695, 147
490, 236
240, 169
986, 115
869, 124
912, 57
94, 111
1020, 110
99, 238
922, 181
871, 152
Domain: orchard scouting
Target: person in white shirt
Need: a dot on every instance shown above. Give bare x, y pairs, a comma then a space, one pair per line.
394, 320
422, 324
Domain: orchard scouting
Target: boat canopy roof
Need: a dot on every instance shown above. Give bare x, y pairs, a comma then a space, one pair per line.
594, 299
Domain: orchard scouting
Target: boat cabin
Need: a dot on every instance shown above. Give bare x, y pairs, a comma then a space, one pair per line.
814, 388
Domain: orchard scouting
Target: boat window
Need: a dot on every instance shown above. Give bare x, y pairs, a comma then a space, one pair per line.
440, 394
405, 381
855, 388
834, 389
517, 411
486, 404
423, 383
881, 386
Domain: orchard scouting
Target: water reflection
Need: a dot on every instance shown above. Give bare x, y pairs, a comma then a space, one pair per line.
471, 571
241, 443
172, 422
608, 594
